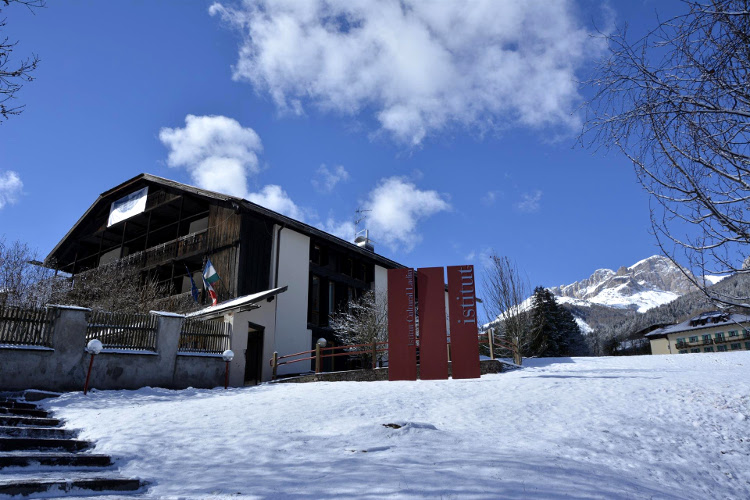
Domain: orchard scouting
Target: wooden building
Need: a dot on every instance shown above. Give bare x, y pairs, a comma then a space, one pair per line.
166, 229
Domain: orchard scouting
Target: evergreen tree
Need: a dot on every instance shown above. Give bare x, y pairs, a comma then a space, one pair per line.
554, 328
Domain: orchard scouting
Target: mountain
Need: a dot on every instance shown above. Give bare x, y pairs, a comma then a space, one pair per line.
646, 284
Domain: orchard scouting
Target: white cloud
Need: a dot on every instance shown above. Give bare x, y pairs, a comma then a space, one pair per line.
275, 198
218, 152
397, 206
530, 202
326, 179
342, 229
418, 66
490, 197
10, 187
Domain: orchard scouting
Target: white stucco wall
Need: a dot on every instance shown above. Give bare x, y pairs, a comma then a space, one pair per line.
265, 317
381, 280
292, 334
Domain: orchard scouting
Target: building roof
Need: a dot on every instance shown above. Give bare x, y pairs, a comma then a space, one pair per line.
243, 303
711, 319
122, 189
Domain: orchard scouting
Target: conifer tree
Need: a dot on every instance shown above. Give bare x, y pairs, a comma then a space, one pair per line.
556, 332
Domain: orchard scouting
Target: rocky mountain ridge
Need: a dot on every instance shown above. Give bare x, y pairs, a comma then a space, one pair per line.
644, 285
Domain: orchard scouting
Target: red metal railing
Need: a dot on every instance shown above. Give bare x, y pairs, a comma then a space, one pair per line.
323, 352
319, 353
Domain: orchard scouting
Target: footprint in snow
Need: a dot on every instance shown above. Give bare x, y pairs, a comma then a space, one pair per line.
411, 425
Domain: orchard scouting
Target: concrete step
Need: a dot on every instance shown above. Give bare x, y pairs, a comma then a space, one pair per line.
27, 395
6, 420
37, 432
25, 412
55, 459
72, 486
12, 403
23, 443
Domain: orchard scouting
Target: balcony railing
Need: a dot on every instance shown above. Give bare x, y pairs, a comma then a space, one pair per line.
175, 249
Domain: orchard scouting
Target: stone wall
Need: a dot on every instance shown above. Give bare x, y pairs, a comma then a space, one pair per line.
63, 366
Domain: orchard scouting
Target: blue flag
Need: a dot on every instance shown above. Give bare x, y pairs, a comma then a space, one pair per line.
193, 288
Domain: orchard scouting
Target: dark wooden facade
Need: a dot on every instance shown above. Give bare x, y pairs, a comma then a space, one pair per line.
182, 226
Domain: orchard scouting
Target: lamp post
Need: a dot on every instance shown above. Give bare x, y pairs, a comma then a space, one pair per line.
94, 347
228, 356
318, 346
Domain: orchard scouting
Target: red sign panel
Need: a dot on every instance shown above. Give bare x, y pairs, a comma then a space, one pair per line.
433, 339
462, 309
402, 325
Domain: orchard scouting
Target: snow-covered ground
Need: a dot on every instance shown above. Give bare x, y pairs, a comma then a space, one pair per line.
661, 427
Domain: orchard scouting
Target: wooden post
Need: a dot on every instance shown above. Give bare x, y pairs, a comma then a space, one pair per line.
317, 358
374, 354
449, 352
226, 377
490, 334
274, 365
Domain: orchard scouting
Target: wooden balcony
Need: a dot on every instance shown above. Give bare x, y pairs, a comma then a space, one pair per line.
181, 247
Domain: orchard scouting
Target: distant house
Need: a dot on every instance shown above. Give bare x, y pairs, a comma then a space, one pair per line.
292, 274
715, 331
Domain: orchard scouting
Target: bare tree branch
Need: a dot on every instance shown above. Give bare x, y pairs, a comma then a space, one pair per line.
676, 103
14, 73
504, 292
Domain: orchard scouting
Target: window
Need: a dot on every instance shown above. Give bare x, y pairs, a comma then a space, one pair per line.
315, 254
694, 339
736, 346
747, 346
734, 333
314, 312
707, 339
708, 349
681, 342
697, 349
331, 297
719, 336
746, 334
721, 348
683, 351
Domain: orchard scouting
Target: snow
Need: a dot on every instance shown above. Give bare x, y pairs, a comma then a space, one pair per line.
128, 351
662, 427
583, 326
26, 347
244, 301
712, 280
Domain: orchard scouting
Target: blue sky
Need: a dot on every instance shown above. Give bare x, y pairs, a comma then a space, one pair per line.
455, 125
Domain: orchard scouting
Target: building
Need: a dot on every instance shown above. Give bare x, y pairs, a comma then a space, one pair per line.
714, 331
295, 274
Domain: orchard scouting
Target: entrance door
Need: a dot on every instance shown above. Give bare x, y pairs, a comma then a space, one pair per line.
254, 354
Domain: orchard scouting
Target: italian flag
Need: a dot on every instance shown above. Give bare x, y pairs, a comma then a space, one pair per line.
210, 276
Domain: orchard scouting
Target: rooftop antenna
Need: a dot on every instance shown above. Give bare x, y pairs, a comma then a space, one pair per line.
362, 237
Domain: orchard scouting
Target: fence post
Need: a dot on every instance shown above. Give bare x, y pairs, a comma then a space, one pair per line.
274, 365
317, 357
374, 354
449, 352
490, 334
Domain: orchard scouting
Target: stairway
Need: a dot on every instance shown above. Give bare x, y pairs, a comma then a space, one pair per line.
38, 456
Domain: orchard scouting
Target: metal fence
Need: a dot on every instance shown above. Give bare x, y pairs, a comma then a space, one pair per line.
123, 331
204, 336
26, 326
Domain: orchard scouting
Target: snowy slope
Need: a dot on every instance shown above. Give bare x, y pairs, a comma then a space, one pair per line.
658, 427
646, 284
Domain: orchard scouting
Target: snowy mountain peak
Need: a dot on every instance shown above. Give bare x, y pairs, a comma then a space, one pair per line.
646, 284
